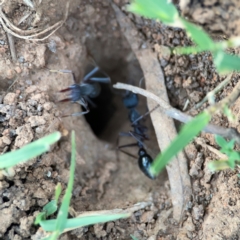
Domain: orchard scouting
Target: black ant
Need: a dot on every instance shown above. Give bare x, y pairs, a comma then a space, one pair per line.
130, 101
83, 92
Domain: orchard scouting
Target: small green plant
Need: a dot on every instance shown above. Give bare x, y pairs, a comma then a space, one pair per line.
226, 148
166, 12
62, 223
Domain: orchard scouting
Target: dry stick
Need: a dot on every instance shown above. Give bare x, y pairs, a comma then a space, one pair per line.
214, 91
14, 28
164, 126
229, 133
56, 26
12, 46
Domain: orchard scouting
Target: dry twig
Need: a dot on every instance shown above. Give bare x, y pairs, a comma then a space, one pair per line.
211, 94
12, 46
229, 133
19, 33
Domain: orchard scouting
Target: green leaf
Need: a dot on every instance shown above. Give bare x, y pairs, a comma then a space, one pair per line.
233, 158
40, 217
230, 144
49, 225
218, 165
228, 113
220, 141
50, 208
198, 35
29, 151
188, 132
157, 9
226, 63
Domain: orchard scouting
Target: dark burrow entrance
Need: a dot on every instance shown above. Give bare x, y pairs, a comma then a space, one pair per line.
109, 116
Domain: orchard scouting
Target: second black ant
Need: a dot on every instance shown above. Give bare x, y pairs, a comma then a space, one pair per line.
130, 101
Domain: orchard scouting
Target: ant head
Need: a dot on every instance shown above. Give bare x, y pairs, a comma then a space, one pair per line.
130, 100
75, 93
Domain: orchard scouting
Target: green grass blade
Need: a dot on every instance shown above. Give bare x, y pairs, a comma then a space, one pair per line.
63, 211
156, 9
133, 237
198, 35
188, 50
29, 151
49, 225
48, 210
58, 191
226, 63
188, 132
218, 165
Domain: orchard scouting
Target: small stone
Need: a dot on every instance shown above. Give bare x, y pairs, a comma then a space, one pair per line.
163, 51
39, 108
36, 121
40, 129
48, 106
18, 69
32, 102
9, 98
198, 212
25, 135
109, 227
98, 231
31, 89
147, 216
6, 140
37, 97
195, 96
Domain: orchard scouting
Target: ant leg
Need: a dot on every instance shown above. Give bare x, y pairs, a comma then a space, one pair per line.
145, 114
78, 114
128, 145
90, 74
137, 137
124, 134
84, 104
125, 146
90, 101
100, 79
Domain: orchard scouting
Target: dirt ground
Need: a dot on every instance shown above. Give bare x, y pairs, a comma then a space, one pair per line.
106, 179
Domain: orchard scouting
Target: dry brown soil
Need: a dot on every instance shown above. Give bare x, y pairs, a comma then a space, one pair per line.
106, 179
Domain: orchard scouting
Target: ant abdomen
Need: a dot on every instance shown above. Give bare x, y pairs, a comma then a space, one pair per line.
144, 162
